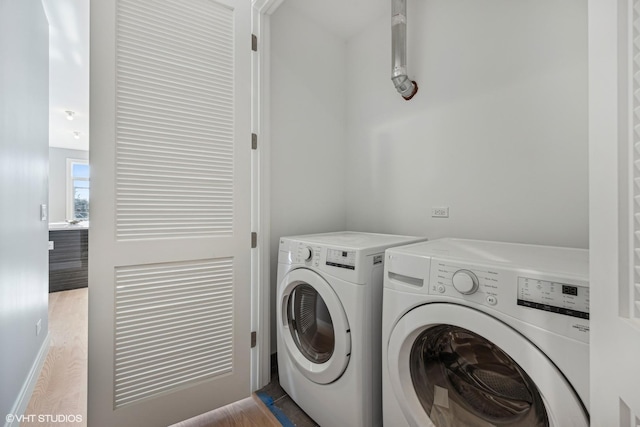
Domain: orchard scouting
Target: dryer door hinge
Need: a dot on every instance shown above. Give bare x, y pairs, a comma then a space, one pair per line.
254, 240
254, 42
254, 141
254, 338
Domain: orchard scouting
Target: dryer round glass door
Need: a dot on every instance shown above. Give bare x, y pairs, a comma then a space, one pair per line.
310, 323
451, 365
314, 326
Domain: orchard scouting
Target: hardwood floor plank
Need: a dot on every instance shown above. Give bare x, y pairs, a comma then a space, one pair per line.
249, 412
61, 390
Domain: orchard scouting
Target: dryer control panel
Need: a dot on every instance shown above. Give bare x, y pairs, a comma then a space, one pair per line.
316, 256
341, 258
349, 264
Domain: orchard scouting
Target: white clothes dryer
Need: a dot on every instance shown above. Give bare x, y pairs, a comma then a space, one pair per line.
329, 308
485, 334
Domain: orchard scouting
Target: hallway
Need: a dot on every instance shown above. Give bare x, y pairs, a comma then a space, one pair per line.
60, 396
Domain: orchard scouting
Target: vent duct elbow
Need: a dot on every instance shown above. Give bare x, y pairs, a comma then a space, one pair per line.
405, 86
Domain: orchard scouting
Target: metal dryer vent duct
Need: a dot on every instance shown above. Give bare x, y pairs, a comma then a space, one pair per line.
406, 87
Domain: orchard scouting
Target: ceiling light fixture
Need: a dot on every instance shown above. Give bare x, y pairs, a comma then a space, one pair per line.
70, 114
76, 134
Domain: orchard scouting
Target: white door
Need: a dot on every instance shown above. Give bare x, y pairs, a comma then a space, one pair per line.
169, 269
451, 365
614, 213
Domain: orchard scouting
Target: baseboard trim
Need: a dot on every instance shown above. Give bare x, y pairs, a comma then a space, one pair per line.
29, 385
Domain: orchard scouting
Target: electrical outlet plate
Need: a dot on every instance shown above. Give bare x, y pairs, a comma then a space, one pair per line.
440, 212
38, 327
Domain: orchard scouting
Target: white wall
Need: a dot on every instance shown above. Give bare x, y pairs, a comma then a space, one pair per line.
308, 131
58, 180
24, 104
497, 131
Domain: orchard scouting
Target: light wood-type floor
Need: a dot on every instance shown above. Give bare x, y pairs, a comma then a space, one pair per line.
61, 390
249, 412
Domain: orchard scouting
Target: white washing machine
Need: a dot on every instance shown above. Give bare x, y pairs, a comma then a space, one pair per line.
485, 334
329, 307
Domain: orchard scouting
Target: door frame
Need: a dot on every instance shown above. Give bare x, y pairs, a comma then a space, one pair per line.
261, 12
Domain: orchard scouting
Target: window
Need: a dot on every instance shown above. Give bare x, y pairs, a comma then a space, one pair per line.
77, 190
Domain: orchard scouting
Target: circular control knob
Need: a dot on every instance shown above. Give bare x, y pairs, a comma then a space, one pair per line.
465, 282
305, 253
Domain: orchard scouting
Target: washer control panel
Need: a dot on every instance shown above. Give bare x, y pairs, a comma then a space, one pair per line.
465, 281
497, 287
540, 286
472, 283
562, 298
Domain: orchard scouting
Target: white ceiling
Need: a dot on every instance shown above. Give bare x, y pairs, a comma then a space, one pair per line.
345, 18
68, 72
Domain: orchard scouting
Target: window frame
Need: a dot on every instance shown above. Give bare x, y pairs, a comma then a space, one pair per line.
70, 193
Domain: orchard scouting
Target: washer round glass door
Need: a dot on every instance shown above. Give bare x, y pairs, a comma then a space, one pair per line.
451, 365
314, 326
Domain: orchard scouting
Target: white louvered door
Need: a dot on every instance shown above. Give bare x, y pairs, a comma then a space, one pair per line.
169, 260
614, 214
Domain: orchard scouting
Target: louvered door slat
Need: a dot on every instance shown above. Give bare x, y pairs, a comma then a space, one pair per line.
158, 11
169, 117
175, 92
213, 82
152, 353
200, 330
144, 48
159, 155
149, 98
158, 150
189, 347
